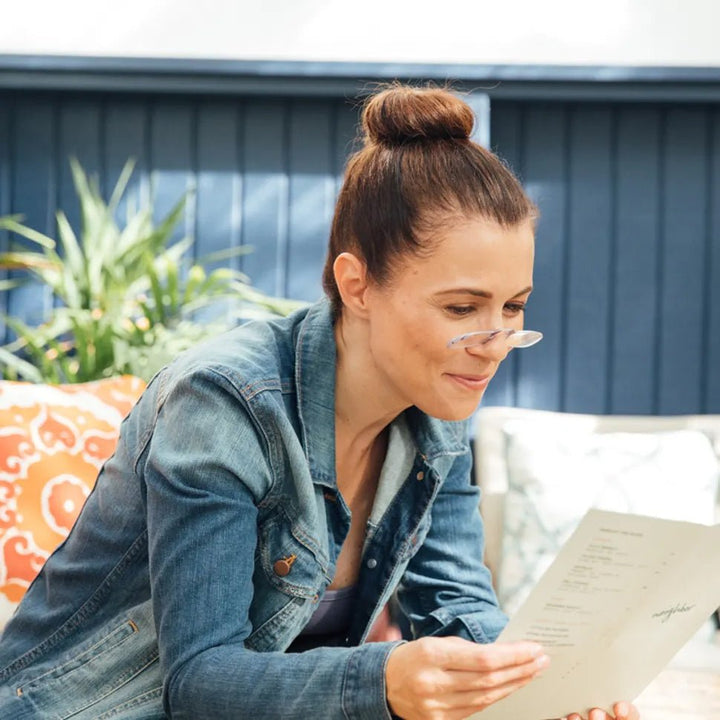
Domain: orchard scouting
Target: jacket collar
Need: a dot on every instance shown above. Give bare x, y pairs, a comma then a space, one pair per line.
315, 360
315, 367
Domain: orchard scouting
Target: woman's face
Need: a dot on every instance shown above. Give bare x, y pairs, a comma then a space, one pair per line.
477, 277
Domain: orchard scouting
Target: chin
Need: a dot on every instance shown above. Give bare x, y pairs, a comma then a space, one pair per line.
445, 410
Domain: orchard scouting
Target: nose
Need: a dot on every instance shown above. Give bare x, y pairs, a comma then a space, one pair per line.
495, 350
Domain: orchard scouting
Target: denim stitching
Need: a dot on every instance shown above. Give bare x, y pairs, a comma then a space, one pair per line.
88, 607
153, 694
114, 639
126, 677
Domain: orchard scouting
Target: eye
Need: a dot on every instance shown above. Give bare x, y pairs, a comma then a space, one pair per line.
514, 308
459, 310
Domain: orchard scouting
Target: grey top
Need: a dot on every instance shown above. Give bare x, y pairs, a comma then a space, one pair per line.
333, 613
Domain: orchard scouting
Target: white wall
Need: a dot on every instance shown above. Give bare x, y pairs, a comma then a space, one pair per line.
575, 32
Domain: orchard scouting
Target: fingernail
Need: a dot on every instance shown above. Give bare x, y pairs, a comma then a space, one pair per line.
543, 661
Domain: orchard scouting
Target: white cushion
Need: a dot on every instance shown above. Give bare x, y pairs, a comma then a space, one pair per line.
555, 477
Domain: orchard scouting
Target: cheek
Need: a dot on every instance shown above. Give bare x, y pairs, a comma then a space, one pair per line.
409, 351
407, 340
429, 359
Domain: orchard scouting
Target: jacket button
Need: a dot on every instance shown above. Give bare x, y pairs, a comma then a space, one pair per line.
420, 475
283, 566
372, 563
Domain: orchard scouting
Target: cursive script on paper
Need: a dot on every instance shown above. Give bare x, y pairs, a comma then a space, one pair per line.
677, 608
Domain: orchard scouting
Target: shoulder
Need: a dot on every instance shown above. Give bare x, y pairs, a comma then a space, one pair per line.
216, 404
258, 355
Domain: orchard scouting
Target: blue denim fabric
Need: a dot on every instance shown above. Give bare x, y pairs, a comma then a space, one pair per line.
164, 602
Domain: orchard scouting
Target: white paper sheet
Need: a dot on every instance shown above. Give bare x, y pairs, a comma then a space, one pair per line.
625, 593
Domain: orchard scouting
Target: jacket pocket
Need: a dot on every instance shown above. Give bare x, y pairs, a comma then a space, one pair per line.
287, 581
288, 565
117, 667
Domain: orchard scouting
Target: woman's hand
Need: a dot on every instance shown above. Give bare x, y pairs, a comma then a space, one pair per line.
622, 710
449, 678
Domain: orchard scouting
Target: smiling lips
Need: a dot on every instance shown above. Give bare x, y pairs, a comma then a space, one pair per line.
471, 382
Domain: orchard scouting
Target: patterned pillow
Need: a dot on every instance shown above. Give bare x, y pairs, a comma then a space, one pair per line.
555, 477
53, 441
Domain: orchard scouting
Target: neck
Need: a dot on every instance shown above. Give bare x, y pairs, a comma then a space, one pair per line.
364, 404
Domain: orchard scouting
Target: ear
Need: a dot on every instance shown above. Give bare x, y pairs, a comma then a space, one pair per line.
351, 278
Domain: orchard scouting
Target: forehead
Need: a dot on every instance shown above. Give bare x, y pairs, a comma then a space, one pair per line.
472, 253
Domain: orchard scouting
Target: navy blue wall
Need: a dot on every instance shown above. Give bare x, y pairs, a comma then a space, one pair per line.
263, 173
628, 256
628, 252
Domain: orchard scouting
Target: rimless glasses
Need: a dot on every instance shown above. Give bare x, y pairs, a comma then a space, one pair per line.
512, 338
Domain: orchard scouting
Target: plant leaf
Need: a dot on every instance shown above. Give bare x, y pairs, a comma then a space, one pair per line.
20, 367
75, 276
132, 297
13, 225
121, 185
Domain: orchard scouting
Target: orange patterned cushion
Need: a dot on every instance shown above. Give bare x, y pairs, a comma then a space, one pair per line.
53, 441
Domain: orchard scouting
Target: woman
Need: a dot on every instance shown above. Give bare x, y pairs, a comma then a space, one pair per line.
273, 488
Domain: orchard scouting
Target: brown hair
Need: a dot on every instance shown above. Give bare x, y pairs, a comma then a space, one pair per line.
417, 169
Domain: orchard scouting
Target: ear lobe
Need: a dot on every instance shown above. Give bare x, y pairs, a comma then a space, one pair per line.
351, 278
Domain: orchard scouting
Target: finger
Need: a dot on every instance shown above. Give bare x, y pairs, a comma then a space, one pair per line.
465, 655
462, 704
598, 714
626, 711
476, 700
467, 681
621, 710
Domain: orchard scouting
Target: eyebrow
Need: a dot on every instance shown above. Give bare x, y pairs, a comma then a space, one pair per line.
480, 293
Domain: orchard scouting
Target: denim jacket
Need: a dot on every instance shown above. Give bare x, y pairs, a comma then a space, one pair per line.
212, 533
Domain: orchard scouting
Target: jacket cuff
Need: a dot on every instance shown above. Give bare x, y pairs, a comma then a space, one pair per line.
477, 627
364, 695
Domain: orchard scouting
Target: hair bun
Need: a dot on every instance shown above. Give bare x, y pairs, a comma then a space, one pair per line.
404, 114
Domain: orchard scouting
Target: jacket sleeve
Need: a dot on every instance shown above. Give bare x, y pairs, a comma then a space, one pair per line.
446, 588
205, 470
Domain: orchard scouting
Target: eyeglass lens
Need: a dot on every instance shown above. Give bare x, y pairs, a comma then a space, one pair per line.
513, 338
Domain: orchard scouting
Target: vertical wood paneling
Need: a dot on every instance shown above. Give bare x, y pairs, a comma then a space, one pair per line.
126, 136
5, 191
79, 123
639, 258
346, 139
633, 365
684, 231
590, 235
219, 187
311, 197
173, 138
506, 138
544, 170
711, 351
265, 195
628, 245
218, 179
34, 181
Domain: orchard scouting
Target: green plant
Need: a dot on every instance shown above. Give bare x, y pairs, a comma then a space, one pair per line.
130, 300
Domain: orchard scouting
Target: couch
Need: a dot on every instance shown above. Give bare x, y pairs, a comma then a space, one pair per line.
53, 441
539, 472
